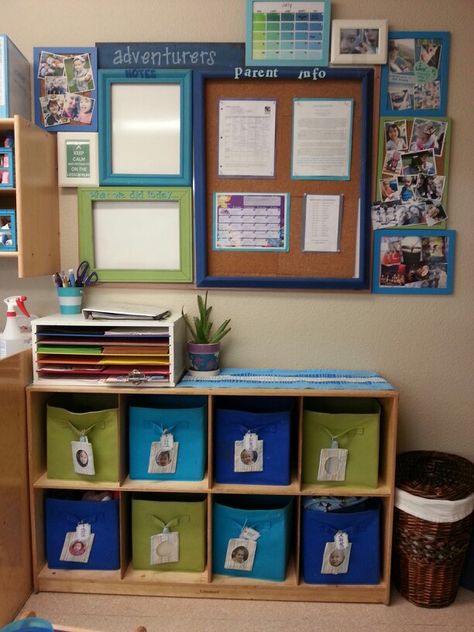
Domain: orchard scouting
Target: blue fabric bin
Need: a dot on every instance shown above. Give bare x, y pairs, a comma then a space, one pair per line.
63, 516
271, 516
270, 419
363, 530
185, 417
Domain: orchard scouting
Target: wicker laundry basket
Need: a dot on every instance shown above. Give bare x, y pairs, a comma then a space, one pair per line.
434, 508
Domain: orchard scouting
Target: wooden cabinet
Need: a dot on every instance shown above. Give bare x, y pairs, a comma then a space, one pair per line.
15, 546
34, 197
128, 580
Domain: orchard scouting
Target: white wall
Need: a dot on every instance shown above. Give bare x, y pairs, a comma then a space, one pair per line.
424, 345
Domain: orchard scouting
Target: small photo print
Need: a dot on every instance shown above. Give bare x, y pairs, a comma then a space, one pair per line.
75, 549
52, 109
419, 162
400, 99
427, 134
396, 136
248, 460
428, 52
71, 108
56, 85
390, 214
434, 213
80, 77
335, 561
240, 554
429, 188
359, 41
86, 109
392, 165
406, 188
389, 189
427, 96
50, 65
401, 57
163, 460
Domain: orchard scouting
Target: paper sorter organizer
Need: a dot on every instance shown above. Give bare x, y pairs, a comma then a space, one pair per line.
72, 350
185, 419
351, 424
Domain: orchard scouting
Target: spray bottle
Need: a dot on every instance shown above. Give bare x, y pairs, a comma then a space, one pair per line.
12, 338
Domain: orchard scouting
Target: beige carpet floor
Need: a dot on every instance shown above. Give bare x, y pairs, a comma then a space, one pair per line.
163, 614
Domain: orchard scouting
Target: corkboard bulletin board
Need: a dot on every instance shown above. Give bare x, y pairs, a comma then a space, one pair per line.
346, 269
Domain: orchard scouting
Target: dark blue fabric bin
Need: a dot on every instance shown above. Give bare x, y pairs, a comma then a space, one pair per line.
63, 516
186, 418
271, 516
363, 530
270, 418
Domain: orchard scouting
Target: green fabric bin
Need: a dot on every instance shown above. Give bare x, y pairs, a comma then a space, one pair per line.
354, 423
182, 514
66, 418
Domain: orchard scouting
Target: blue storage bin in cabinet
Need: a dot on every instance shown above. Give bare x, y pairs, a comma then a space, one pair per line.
63, 516
270, 419
271, 517
185, 417
363, 531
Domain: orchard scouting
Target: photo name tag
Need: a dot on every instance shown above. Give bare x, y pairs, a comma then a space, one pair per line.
163, 460
240, 554
335, 561
83, 457
246, 459
164, 548
75, 549
332, 464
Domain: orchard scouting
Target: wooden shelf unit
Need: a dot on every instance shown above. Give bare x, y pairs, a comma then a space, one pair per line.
206, 584
35, 198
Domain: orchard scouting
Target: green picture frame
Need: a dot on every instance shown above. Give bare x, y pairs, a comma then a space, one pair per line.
137, 234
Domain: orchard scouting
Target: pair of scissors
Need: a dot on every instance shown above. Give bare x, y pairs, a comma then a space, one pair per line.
85, 276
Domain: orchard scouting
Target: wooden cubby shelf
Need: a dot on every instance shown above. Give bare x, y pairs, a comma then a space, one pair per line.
128, 580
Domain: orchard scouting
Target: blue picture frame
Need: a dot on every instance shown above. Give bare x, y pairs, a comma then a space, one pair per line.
8, 239
413, 262
203, 229
43, 72
284, 37
178, 174
404, 101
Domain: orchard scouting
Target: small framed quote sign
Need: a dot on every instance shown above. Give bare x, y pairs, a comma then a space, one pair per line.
78, 159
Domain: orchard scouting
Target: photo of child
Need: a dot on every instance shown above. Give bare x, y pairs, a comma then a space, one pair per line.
79, 73
52, 107
396, 136
428, 134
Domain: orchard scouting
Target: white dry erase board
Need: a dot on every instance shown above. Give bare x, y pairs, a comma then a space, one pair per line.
137, 234
145, 128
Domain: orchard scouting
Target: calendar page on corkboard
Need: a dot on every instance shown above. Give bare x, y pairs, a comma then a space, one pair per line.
291, 266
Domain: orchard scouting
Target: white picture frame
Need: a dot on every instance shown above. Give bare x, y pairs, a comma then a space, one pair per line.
354, 42
78, 159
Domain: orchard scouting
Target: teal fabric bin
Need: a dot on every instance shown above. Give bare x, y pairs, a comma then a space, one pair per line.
185, 417
271, 517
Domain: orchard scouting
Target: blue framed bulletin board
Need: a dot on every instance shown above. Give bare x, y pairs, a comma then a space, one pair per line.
145, 128
295, 267
414, 80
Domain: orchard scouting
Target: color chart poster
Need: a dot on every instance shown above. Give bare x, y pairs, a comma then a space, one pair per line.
288, 33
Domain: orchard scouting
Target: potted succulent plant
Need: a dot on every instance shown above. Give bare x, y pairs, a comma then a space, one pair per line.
204, 344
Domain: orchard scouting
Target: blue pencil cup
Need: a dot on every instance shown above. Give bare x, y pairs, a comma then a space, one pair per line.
185, 418
363, 531
271, 517
270, 419
63, 516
